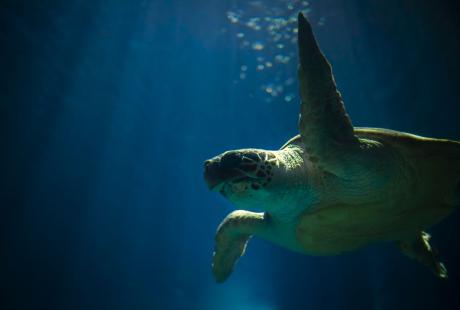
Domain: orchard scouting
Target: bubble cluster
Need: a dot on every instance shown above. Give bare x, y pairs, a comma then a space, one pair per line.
267, 38
282, 59
233, 17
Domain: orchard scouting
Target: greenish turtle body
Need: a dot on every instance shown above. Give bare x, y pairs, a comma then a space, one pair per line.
334, 188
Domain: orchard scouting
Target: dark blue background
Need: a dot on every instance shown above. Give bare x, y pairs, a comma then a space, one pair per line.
108, 109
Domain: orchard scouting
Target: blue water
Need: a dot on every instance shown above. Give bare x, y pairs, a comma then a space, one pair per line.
109, 108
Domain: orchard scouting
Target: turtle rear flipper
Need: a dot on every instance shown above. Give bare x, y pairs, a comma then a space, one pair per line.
421, 250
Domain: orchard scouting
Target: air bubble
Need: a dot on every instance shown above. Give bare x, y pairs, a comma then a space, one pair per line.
240, 35
288, 98
244, 68
260, 67
257, 46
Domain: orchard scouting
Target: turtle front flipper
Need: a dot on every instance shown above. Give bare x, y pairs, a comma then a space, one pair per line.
232, 237
421, 250
325, 127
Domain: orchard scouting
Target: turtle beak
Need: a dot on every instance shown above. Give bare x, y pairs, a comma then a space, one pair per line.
212, 173
224, 168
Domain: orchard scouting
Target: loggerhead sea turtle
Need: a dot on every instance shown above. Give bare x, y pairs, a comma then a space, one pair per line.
334, 188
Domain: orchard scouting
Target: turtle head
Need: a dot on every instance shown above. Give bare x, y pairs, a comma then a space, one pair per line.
247, 177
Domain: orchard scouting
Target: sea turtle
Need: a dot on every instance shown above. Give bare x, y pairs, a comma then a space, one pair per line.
334, 188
